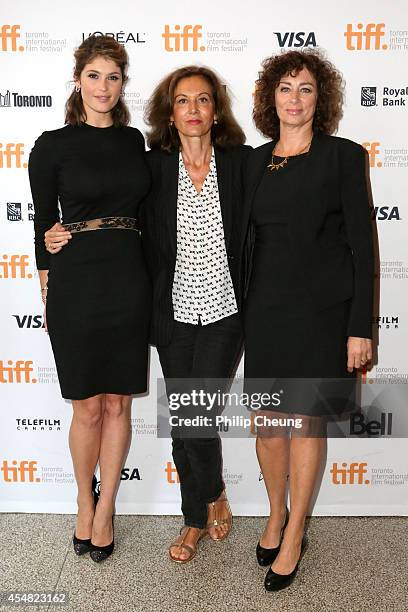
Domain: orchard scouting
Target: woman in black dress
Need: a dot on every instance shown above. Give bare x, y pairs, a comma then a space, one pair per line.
309, 303
96, 290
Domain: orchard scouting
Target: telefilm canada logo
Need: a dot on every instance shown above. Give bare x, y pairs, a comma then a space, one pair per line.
394, 97
38, 424
386, 321
15, 99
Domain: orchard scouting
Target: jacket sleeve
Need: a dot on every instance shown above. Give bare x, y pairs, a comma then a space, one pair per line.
356, 210
42, 168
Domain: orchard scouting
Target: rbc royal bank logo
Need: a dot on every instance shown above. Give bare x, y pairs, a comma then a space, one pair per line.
14, 211
183, 38
367, 37
368, 96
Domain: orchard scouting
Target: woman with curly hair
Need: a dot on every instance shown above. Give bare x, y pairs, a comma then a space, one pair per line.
308, 308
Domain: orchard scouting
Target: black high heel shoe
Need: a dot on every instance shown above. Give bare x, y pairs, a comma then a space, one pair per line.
266, 556
100, 553
277, 582
81, 547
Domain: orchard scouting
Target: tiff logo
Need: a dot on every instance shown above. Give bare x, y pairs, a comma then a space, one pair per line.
12, 153
10, 34
173, 40
172, 475
349, 475
373, 150
14, 373
16, 471
14, 266
372, 32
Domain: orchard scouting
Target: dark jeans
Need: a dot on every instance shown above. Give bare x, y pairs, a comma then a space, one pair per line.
200, 351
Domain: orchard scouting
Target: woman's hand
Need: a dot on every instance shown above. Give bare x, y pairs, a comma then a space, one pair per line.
359, 352
56, 238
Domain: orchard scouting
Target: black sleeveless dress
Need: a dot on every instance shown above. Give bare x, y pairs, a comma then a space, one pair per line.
284, 337
99, 295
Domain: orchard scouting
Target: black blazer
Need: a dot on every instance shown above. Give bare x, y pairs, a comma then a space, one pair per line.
330, 229
159, 227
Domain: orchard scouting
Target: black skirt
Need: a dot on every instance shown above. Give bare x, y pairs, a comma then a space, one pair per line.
98, 314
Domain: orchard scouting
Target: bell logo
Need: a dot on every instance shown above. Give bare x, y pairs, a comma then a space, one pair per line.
8, 36
373, 150
359, 426
172, 40
349, 475
172, 476
372, 31
14, 266
11, 155
19, 471
18, 373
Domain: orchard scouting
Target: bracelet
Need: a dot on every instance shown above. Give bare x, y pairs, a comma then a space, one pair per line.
44, 293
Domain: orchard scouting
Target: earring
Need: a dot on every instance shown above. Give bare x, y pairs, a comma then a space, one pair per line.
77, 88
215, 122
171, 123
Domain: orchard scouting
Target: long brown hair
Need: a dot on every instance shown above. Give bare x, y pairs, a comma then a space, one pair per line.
330, 87
226, 133
92, 47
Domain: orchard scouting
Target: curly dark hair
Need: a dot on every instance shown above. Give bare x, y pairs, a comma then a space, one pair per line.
330, 88
227, 133
92, 47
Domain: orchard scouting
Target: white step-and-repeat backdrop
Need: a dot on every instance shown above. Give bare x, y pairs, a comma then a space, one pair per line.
368, 41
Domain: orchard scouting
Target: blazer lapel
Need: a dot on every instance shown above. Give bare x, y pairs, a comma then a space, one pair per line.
256, 165
170, 171
223, 163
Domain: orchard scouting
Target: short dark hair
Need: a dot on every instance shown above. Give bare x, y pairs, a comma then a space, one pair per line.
92, 47
227, 133
330, 88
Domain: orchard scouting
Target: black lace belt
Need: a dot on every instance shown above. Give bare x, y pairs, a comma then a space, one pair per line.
128, 223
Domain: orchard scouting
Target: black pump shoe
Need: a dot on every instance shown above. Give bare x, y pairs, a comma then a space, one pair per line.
277, 582
266, 556
100, 553
81, 547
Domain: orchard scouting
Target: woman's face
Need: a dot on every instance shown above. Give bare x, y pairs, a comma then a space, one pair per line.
295, 99
193, 109
101, 83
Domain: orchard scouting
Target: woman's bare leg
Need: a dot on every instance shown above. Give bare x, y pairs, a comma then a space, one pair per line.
84, 443
115, 440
